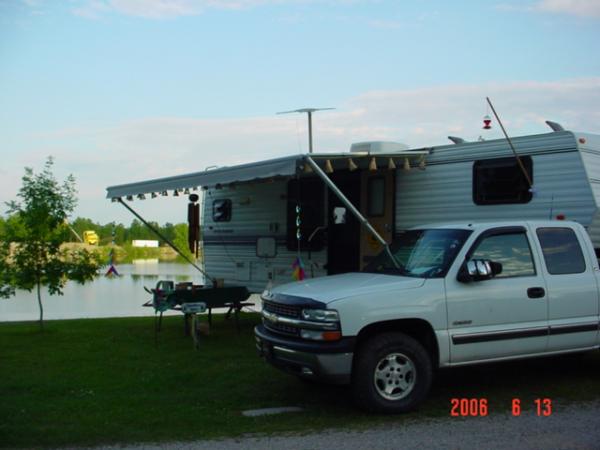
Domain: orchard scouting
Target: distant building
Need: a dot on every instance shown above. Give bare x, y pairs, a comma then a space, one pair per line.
144, 243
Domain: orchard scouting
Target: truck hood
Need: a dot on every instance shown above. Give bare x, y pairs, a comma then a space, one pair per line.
335, 287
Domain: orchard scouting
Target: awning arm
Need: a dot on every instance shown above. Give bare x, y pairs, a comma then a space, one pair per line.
167, 241
351, 207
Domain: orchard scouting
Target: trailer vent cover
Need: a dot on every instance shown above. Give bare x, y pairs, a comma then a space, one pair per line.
378, 147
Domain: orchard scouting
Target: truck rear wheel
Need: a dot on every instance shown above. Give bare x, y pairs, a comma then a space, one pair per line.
392, 374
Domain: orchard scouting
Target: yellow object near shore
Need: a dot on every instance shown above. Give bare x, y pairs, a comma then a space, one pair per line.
90, 237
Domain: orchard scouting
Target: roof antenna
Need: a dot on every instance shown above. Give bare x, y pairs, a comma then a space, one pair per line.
308, 111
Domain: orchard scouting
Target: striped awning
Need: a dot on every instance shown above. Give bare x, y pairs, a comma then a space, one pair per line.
279, 167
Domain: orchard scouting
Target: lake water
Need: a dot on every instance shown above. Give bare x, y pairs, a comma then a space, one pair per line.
104, 297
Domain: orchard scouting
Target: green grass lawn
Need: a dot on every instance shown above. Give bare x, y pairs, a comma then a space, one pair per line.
88, 382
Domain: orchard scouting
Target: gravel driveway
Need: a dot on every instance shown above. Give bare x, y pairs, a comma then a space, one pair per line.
569, 427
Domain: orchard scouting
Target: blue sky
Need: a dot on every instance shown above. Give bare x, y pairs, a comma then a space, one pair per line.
124, 90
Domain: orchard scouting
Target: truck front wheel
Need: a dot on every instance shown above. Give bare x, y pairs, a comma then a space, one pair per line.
392, 374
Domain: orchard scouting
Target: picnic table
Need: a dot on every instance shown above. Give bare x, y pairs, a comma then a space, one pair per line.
169, 296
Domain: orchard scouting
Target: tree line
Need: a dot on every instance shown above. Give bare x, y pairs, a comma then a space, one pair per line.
123, 234
136, 230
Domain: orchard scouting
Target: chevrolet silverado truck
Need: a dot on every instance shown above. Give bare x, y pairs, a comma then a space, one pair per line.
445, 295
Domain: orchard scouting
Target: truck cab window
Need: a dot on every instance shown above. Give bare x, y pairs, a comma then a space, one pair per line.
561, 249
511, 250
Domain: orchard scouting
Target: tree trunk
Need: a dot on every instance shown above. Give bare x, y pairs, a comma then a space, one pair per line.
39, 296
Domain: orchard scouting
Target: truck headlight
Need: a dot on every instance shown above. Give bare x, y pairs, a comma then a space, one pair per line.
321, 315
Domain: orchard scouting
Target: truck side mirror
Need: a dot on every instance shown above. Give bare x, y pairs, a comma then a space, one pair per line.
478, 270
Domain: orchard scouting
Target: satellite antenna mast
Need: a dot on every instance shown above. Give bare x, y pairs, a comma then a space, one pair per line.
308, 111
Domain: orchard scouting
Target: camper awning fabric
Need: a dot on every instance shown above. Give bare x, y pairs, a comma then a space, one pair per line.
244, 172
279, 167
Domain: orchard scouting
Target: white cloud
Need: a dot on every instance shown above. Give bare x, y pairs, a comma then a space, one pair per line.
157, 8
152, 9
582, 8
92, 9
523, 106
165, 9
385, 24
163, 146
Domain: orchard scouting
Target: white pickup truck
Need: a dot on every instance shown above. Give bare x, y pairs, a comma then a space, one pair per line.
453, 294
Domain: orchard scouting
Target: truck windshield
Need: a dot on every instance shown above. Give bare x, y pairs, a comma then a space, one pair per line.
420, 253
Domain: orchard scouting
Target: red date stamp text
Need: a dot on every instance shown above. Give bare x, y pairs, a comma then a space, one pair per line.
478, 407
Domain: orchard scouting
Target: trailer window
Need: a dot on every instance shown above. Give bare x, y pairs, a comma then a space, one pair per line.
307, 194
501, 181
376, 197
222, 210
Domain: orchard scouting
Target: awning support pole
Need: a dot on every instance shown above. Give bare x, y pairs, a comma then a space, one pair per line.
350, 206
167, 241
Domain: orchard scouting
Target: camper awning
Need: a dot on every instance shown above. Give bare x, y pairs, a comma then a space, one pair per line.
224, 175
279, 167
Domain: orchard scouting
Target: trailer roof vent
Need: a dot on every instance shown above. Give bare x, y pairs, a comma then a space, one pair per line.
457, 140
555, 126
378, 147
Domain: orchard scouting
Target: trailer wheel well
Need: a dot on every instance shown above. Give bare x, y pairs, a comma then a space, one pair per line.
418, 329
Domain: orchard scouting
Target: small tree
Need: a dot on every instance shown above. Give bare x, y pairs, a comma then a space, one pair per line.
31, 255
181, 239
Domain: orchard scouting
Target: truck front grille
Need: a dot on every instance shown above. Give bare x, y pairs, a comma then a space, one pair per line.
281, 309
281, 328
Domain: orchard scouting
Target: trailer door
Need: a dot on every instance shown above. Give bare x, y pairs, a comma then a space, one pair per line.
377, 200
343, 238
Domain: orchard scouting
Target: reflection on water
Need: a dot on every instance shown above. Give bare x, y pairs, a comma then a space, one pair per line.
103, 297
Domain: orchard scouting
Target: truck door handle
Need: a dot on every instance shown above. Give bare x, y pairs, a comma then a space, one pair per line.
536, 292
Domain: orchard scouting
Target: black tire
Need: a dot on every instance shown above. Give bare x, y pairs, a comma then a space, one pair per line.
392, 374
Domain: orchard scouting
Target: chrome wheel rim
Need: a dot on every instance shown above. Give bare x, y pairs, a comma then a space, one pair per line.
395, 376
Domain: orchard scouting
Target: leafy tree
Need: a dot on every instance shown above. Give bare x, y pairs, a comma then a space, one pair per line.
6, 288
137, 230
31, 255
120, 233
168, 231
181, 239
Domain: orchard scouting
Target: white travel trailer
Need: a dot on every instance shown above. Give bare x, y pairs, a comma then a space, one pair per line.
258, 218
